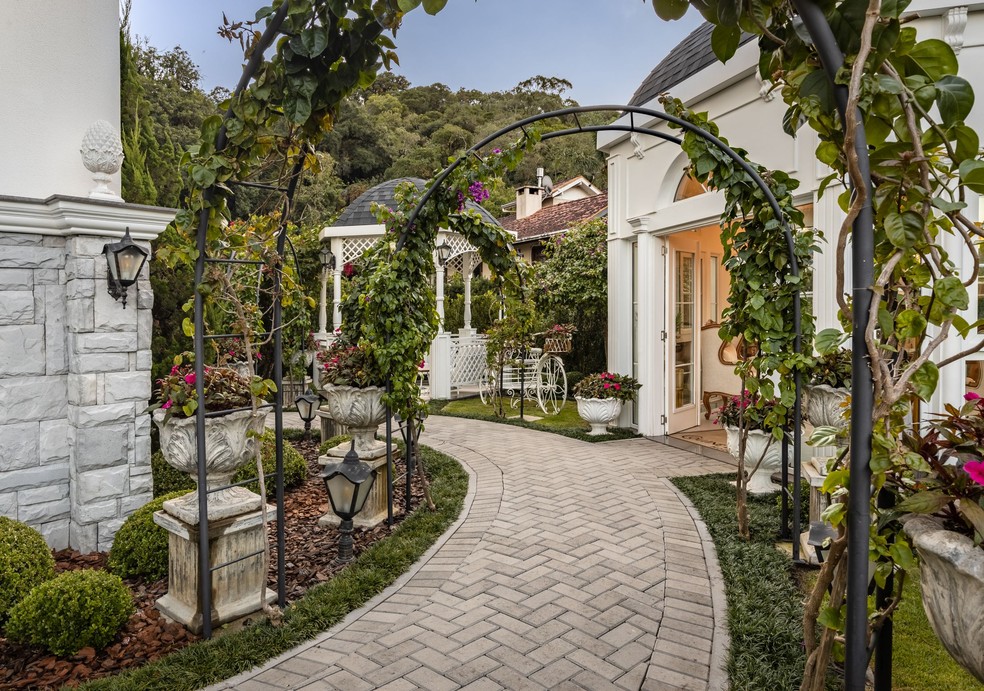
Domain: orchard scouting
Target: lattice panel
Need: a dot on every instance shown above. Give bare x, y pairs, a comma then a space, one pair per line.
467, 361
352, 248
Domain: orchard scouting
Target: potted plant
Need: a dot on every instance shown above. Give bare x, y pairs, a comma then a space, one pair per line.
762, 453
232, 437
352, 386
599, 398
829, 384
945, 504
557, 339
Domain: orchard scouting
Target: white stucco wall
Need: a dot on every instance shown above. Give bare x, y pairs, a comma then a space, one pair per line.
59, 72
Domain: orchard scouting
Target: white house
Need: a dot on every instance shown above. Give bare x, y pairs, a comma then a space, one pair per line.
666, 284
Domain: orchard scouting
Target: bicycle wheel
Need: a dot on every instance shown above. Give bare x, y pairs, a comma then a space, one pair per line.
551, 379
488, 388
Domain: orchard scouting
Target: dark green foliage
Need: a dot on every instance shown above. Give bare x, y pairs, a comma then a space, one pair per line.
167, 479
295, 467
832, 369
573, 377
765, 613
333, 441
25, 561
74, 610
140, 545
220, 658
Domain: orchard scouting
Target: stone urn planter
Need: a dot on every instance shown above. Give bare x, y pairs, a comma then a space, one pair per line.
227, 445
952, 577
760, 444
598, 412
825, 406
361, 410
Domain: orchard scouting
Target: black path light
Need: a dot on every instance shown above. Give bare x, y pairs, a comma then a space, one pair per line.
443, 253
307, 407
348, 484
124, 261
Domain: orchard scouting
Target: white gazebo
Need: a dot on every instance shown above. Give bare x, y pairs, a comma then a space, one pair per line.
456, 361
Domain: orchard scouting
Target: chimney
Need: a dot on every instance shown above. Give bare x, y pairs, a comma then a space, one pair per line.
529, 200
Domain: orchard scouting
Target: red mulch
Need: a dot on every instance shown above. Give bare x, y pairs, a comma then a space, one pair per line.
311, 551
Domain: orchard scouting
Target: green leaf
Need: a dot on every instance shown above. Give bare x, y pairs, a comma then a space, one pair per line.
828, 341
973, 513
434, 6
924, 380
968, 143
312, 42
297, 108
831, 618
972, 175
946, 206
407, 5
955, 98
902, 554
203, 177
669, 10
904, 229
188, 327
934, 58
951, 292
923, 502
725, 40
910, 324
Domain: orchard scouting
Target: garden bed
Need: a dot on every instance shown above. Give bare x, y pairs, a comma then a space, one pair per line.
147, 637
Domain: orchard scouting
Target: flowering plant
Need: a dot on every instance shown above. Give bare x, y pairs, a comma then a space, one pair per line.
747, 409
607, 385
225, 389
560, 331
233, 350
950, 481
345, 364
833, 369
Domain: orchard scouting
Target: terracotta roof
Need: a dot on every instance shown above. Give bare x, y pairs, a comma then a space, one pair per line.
556, 218
688, 58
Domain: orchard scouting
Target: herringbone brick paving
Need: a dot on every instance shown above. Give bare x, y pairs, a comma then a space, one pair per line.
573, 566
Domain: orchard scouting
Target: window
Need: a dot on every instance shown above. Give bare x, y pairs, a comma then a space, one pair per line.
688, 187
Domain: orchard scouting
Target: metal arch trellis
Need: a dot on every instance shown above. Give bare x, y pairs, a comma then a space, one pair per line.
633, 127
205, 569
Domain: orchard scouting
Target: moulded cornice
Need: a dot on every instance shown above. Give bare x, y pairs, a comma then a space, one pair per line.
642, 224
64, 216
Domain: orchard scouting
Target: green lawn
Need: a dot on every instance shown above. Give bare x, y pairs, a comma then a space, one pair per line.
566, 422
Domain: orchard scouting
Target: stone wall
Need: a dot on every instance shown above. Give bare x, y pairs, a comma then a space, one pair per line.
74, 370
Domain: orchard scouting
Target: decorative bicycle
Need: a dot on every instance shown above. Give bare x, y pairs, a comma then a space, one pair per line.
535, 375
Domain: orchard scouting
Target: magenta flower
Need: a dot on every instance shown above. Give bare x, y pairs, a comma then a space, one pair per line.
189, 378
976, 471
174, 370
607, 385
167, 404
971, 396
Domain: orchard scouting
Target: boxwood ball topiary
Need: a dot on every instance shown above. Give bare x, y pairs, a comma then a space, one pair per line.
73, 610
140, 545
295, 468
25, 561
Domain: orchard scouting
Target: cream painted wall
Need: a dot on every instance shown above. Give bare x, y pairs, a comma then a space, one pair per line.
48, 101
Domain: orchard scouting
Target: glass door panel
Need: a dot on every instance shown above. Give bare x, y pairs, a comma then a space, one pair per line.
684, 317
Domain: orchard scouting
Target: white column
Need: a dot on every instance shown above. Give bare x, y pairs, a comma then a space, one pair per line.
466, 265
322, 334
337, 249
439, 293
440, 367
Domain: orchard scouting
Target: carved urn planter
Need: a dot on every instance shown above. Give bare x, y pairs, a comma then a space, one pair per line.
598, 412
361, 410
227, 445
759, 445
952, 577
825, 406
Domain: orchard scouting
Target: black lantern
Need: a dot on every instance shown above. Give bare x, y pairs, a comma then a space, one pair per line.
125, 259
307, 407
443, 253
327, 257
348, 484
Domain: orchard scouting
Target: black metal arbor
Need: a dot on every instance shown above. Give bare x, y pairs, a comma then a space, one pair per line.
862, 391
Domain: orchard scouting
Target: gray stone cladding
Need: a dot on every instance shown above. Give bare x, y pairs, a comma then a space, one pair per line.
74, 384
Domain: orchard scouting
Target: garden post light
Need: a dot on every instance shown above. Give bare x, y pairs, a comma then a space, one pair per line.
348, 484
124, 261
306, 407
443, 253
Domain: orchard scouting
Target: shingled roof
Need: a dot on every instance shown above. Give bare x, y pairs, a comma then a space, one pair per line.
359, 212
556, 218
690, 56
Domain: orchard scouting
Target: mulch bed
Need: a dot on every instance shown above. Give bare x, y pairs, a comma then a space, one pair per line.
310, 554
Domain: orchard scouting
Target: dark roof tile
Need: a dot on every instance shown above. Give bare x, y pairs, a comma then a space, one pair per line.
359, 212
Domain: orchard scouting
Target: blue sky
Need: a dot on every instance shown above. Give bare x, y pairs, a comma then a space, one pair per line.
604, 47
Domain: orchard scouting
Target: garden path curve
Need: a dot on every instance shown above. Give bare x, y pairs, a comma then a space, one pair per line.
573, 565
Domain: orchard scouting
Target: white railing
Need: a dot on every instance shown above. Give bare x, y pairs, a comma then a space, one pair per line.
467, 361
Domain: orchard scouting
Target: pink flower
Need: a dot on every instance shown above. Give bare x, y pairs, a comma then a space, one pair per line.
976, 471
618, 387
607, 385
174, 370
971, 396
190, 378
167, 404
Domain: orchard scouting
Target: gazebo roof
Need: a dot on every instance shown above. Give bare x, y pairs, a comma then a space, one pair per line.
359, 212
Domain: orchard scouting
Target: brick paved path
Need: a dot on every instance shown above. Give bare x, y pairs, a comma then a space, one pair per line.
574, 565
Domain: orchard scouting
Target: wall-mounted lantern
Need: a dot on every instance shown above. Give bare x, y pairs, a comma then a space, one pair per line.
124, 261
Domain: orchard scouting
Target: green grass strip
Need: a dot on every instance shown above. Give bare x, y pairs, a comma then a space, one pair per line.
765, 612
321, 608
567, 422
